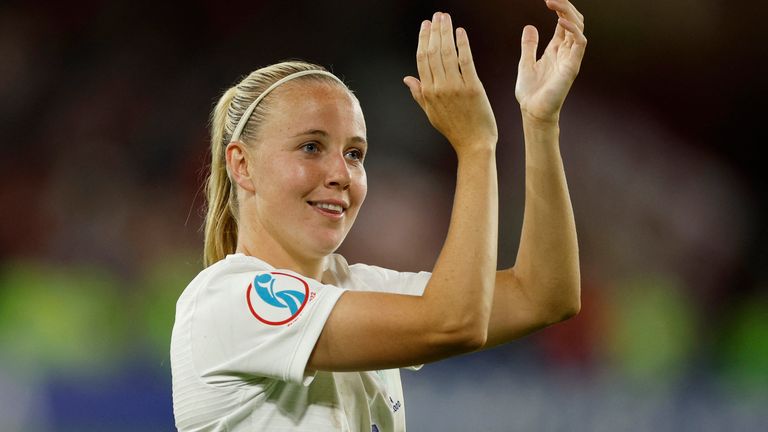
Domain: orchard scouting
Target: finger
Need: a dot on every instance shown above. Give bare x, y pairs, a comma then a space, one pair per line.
415, 87
448, 49
579, 40
422, 59
565, 9
466, 63
557, 38
433, 50
568, 41
579, 16
528, 45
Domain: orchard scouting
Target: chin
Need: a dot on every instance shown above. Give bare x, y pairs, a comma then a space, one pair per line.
328, 249
328, 246
319, 242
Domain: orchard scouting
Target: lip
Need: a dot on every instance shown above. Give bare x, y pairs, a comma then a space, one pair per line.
327, 213
342, 203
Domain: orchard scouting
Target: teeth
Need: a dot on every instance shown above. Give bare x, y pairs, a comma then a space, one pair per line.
332, 207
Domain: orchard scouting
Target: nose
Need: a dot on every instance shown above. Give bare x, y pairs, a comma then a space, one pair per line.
338, 175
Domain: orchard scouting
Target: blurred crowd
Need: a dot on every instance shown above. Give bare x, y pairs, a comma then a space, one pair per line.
103, 127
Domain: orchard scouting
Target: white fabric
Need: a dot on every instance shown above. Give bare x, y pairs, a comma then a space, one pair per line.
239, 354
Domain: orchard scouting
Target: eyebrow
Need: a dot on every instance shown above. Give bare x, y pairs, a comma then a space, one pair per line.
322, 133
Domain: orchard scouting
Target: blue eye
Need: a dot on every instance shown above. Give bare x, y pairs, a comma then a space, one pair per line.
310, 147
355, 154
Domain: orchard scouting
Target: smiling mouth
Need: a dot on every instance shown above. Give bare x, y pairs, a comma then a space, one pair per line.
334, 209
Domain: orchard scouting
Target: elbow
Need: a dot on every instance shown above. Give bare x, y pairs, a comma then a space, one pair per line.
473, 340
567, 307
461, 338
569, 311
573, 306
470, 332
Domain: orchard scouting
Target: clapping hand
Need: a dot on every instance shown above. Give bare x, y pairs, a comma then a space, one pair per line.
543, 84
448, 88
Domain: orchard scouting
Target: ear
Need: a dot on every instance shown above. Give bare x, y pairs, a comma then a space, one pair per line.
238, 165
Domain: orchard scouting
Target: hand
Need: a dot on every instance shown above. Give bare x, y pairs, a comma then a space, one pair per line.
448, 89
542, 85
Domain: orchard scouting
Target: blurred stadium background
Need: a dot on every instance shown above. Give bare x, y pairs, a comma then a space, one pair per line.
103, 112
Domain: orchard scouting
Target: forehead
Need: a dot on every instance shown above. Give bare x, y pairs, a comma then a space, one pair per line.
305, 104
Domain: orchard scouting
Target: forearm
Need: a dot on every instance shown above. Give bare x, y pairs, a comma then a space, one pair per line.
547, 265
456, 304
462, 283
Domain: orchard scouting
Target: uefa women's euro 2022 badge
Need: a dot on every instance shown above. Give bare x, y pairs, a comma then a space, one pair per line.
276, 298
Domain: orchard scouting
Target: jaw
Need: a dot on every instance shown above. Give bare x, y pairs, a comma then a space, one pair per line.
299, 240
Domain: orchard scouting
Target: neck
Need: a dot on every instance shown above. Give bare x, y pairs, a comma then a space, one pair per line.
278, 256
282, 259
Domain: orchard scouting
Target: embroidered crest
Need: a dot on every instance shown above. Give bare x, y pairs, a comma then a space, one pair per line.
276, 298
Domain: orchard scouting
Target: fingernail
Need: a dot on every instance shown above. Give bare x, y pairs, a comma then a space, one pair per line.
424, 24
435, 16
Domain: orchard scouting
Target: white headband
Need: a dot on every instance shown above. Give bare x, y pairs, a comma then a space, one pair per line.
252, 106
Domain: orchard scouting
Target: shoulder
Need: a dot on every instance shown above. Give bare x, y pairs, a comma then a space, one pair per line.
231, 264
245, 318
222, 271
240, 278
366, 277
373, 272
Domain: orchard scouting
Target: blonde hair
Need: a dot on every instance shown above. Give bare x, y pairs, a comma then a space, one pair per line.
222, 213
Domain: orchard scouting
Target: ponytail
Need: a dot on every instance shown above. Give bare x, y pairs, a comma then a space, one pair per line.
220, 222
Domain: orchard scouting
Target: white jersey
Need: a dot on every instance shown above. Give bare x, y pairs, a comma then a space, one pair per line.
243, 334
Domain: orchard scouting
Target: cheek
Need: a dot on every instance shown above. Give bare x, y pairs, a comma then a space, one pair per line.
361, 188
284, 177
298, 175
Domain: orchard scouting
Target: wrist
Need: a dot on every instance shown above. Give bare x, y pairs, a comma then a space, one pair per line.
540, 133
485, 151
539, 121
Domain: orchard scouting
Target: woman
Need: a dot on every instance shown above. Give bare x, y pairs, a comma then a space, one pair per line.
278, 332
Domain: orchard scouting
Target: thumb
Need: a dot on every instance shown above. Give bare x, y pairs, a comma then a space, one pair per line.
414, 85
528, 44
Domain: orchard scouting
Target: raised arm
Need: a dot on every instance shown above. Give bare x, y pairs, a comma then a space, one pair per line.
452, 316
543, 287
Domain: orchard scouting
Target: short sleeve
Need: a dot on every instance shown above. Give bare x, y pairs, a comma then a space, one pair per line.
253, 324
